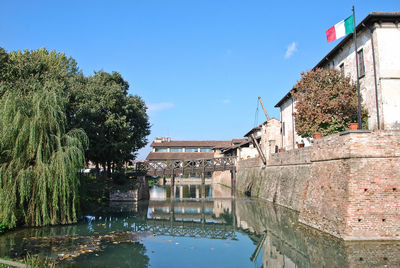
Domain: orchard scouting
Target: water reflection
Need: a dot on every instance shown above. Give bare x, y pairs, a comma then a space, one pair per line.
196, 232
283, 242
190, 190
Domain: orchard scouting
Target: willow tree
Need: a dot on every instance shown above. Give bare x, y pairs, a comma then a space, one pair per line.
39, 160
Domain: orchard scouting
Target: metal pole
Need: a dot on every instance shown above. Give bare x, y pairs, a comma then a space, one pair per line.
358, 82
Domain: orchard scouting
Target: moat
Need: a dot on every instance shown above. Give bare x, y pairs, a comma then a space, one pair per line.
188, 231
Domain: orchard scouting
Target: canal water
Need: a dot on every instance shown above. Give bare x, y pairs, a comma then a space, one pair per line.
190, 231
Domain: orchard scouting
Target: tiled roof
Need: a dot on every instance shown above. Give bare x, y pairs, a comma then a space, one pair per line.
196, 144
238, 141
178, 156
243, 144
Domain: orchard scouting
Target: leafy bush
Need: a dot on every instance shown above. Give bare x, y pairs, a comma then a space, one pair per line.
119, 177
3, 228
326, 102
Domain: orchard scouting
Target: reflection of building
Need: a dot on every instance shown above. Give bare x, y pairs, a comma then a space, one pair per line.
190, 191
167, 149
378, 39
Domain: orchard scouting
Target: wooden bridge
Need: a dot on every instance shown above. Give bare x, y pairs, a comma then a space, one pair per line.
176, 167
172, 168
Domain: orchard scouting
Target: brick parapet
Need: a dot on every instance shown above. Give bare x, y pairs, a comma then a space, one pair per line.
299, 156
376, 144
249, 163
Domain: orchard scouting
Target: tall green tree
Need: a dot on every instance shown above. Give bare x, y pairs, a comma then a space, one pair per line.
326, 102
116, 123
39, 159
31, 70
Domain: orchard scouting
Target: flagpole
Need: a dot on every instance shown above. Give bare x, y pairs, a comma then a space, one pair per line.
358, 82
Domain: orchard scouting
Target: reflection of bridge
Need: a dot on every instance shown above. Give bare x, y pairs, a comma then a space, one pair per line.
189, 219
209, 230
212, 219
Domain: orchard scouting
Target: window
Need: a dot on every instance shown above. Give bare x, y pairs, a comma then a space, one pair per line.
361, 67
206, 150
191, 150
342, 69
176, 150
162, 150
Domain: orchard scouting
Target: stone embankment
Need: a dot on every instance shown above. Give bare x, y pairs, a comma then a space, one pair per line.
140, 192
346, 184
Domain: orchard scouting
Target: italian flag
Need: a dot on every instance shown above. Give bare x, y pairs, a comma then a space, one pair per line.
340, 29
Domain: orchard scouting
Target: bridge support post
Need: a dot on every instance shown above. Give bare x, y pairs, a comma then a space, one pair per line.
203, 184
173, 185
233, 182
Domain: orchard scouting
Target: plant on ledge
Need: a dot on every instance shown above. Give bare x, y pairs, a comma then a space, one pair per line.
326, 102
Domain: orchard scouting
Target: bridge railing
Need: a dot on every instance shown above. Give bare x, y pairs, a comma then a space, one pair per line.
193, 165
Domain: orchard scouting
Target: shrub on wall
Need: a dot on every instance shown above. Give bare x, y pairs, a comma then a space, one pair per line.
326, 102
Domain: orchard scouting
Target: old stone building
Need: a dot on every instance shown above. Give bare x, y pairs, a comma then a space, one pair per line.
378, 51
266, 135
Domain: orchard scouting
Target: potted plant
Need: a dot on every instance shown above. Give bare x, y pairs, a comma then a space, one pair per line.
281, 150
300, 144
317, 135
353, 126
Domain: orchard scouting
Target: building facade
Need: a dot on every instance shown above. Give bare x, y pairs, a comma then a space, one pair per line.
378, 52
267, 136
167, 149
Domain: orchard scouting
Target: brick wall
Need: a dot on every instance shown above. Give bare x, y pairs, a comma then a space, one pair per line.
250, 162
353, 191
346, 184
299, 156
282, 181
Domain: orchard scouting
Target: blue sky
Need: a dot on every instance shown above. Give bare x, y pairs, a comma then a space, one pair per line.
199, 65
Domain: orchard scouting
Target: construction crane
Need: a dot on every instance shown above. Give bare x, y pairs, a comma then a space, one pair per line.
265, 111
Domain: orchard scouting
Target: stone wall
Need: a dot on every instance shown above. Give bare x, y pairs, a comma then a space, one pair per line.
222, 177
346, 184
140, 192
353, 191
283, 181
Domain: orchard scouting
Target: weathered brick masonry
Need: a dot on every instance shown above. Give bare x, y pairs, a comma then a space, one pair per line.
346, 184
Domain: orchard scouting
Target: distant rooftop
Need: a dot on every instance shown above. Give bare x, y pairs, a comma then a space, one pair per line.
179, 156
167, 142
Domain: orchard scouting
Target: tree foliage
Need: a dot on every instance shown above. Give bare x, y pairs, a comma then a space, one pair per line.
46, 106
326, 102
39, 161
115, 122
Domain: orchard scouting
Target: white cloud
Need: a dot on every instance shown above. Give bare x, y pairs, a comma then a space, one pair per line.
226, 101
290, 50
155, 107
